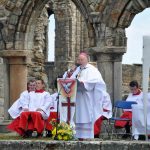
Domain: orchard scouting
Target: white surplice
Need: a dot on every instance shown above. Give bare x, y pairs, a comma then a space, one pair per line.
41, 100
138, 124
91, 99
101, 102
135, 98
54, 96
19, 104
32, 101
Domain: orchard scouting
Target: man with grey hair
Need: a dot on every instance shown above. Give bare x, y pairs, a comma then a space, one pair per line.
91, 100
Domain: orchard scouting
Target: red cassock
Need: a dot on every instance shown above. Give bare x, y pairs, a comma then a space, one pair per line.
122, 124
52, 117
28, 120
97, 125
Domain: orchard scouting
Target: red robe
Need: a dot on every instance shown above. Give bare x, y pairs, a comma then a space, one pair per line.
51, 118
53, 114
98, 123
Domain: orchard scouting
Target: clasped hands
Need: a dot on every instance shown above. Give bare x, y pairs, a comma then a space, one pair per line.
79, 82
38, 109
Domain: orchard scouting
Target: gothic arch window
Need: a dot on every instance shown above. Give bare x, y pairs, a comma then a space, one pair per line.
135, 32
51, 38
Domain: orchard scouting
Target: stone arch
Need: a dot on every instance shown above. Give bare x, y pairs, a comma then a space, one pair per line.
25, 15
21, 18
132, 9
27, 23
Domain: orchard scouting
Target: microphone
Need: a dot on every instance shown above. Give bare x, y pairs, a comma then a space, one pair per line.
77, 64
69, 73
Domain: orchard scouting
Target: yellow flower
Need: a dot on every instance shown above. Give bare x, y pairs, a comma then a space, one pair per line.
64, 131
59, 137
54, 131
65, 137
61, 131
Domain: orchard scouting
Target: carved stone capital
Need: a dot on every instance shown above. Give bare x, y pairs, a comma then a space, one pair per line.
108, 49
104, 54
16, 56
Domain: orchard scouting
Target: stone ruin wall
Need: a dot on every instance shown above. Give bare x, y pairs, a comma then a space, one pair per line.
129, 73
1, 90
39, 52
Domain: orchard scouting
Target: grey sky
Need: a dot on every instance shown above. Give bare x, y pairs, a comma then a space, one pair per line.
139, 27
51, 37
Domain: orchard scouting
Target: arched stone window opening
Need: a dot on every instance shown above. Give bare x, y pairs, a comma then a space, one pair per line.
51, 39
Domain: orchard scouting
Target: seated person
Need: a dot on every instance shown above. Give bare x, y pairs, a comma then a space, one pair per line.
36, 110
135, 95
17, 106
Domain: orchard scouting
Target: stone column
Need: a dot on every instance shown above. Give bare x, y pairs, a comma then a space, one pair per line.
109, 63
17, 71
18, 77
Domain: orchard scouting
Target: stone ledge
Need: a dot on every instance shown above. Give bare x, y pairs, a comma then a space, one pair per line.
71, 145
17, 56
108, 49
3, 126
15, 53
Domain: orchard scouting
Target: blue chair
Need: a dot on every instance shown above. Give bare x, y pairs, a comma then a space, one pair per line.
119, 105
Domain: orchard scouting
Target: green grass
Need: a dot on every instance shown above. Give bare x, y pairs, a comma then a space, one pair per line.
12, 137
6, 137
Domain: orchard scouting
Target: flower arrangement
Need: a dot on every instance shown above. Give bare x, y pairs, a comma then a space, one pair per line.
64, 131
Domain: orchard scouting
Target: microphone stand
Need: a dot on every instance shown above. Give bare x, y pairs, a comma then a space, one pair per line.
57, 120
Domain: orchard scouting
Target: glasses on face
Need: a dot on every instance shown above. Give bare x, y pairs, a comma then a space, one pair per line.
32, 85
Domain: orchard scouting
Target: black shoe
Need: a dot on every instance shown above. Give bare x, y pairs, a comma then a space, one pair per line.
39, 135
28, 134
96, 136
141, 137
125, 136
49, 133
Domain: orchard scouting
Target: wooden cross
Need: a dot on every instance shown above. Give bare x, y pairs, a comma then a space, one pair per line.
68, 104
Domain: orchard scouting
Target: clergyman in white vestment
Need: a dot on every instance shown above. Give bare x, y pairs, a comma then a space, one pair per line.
91, 94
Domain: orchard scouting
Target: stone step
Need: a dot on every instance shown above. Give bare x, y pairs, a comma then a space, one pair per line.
3, 126
42, 144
